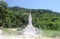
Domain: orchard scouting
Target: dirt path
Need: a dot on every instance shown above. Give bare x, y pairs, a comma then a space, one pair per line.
24, 37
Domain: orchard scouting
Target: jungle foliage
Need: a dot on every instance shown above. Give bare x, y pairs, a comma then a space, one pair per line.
12, 17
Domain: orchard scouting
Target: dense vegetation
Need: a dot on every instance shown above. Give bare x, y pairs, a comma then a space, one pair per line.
18, 17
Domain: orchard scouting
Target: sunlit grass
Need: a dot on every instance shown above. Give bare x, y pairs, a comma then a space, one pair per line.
9, 31
47, 33
51, 33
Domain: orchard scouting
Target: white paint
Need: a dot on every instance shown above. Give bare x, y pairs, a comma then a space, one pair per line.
1, 32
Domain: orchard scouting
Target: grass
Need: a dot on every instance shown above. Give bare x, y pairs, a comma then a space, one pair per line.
47, 33
9, 31
51, 33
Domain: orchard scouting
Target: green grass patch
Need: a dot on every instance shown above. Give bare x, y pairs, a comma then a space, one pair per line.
47, 33
51, 33
9, 31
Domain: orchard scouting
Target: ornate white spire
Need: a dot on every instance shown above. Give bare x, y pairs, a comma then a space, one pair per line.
30, 30
30, 20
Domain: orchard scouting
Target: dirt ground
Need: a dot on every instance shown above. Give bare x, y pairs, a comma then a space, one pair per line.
26, 37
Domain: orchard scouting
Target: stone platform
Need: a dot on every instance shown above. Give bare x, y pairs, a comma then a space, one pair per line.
21, 37
25, 37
